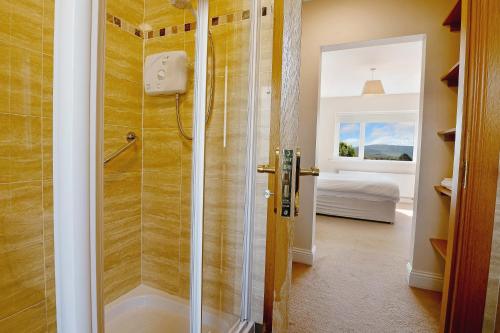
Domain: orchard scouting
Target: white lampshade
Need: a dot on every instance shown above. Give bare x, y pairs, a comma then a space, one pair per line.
373, 87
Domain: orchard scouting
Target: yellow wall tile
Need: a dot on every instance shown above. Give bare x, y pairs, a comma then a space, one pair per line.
160, 14
26, 267
26, 19
4, 76
48, 225
22, 279
25, 82
47, 138
22, 218
162, 151
122, 233
48, 27
161, 273
130, 10
5, 26
47, 78
30, 320
26, 148
123, 55
123, 102
5, 147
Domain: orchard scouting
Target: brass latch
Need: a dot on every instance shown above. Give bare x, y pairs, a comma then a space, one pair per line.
310, 172
265, 168
272, 170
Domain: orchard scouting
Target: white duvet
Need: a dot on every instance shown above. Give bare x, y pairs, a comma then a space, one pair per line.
358, 186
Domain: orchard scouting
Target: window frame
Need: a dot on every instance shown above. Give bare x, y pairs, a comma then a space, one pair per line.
407, 116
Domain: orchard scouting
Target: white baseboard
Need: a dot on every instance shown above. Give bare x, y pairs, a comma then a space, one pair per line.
424, 280
406, 200
304, 256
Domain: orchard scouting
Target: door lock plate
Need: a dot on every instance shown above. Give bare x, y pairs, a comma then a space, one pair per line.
286, 183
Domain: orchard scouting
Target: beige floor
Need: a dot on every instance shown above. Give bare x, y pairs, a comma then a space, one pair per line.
358, 282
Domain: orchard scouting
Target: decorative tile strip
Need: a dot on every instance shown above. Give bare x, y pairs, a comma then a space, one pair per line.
124, 25
176, 29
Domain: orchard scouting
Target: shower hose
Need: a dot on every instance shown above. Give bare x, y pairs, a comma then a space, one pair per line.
211, 92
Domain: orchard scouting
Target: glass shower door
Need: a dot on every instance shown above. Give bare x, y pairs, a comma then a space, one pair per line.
226, 159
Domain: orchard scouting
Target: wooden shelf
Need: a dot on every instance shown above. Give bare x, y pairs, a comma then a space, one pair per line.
454, 19
442, 190
448, 135
451, 77
440, 245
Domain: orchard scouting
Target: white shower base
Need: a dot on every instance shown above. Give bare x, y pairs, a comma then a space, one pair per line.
148, 310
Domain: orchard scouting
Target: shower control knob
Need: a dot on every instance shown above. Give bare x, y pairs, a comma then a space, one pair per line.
268, 194
162, 74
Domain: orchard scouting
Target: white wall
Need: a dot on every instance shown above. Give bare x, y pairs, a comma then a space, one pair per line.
330, 22
402, 173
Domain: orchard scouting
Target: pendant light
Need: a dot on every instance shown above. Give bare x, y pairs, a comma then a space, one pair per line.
373, 87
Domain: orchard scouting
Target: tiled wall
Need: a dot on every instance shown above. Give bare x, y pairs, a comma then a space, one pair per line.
123, 176
27, 301
167, 167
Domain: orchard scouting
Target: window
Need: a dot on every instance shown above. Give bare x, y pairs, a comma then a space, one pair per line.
376, 139
389, 141
349, 139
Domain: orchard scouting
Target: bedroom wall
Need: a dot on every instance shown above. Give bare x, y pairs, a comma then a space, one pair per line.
327, 22
403, 173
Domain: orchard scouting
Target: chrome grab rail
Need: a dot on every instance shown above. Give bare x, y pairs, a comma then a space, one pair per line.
131, 139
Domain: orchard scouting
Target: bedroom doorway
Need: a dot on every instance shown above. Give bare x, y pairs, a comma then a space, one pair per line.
368, 151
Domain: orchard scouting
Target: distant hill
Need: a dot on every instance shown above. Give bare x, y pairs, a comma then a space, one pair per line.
389, 152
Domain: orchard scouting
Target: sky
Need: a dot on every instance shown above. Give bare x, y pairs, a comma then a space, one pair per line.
397, 134
349, 133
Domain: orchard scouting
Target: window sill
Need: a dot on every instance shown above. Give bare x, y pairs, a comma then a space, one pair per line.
360, 160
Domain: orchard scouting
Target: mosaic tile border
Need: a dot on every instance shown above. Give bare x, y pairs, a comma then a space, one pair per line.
124, 25
176, 29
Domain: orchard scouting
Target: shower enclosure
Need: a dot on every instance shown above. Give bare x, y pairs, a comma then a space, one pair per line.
179, 226
110, 218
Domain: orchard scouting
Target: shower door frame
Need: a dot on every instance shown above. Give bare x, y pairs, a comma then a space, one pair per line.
245, 323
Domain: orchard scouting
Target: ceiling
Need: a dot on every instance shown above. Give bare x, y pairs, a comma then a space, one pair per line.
345, 70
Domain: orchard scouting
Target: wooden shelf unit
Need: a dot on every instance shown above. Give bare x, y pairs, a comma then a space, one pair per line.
442, 190
440, 245
451, 77
454, 19
448, 135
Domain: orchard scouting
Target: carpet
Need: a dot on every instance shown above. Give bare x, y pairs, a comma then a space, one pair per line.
359, 281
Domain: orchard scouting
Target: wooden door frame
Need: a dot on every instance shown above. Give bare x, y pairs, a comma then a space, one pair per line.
283, 135
473, 204
274, 143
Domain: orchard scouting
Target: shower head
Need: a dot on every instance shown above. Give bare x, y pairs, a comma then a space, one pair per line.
184, 4
181, 4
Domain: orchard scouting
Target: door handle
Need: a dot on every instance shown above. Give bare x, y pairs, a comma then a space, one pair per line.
272, 170
312, 171
265, 168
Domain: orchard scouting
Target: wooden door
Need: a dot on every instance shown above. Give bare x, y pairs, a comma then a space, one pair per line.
473, 207
283, 137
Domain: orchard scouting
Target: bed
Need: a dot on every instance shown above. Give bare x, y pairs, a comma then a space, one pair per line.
357, 196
